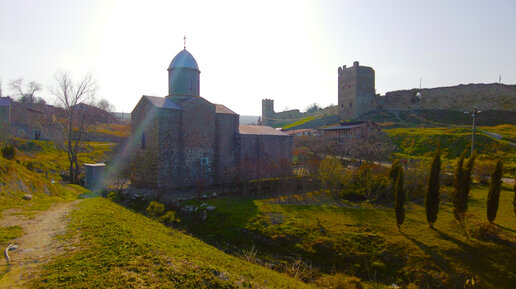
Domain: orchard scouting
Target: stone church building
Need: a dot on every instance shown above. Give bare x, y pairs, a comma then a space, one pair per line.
183, 140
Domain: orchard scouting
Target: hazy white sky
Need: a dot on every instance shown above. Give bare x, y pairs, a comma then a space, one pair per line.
249, 50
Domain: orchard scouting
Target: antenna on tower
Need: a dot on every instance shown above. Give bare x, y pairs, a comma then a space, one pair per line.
500, 78
184, 42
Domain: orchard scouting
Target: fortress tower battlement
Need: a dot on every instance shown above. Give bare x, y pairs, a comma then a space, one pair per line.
356, 90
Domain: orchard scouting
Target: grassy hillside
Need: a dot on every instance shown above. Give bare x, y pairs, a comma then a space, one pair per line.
44, 157
123, 249
361, 239
421, 142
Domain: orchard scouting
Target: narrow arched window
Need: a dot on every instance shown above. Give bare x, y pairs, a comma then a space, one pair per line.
143, 140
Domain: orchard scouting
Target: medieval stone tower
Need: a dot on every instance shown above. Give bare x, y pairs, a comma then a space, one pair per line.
356, 91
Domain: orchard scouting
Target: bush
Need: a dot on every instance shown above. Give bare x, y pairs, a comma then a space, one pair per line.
416, 179
8, 152
155, 209
113, 196
369, 182
331, 174
169, 218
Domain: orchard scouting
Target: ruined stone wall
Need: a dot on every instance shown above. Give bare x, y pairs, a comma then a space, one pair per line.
265, 156
226, 159
144, 161
492, 96
198, 134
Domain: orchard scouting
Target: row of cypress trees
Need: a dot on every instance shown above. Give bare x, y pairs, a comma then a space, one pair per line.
461, 185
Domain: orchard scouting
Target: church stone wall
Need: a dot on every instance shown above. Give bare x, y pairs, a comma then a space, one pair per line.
198, 133
144, 161
170, 153
226, 164
265, 156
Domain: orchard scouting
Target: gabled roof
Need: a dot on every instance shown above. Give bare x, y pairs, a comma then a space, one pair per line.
162, 102
5, 101
220, 108
260, 130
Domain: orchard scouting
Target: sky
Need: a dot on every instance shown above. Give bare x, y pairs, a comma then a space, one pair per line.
284, 50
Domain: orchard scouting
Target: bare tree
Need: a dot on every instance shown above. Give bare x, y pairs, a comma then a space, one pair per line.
370, 144
73, 120
26, 92
105, 105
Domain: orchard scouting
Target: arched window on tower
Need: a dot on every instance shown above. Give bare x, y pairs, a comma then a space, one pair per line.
191, 84
142, 145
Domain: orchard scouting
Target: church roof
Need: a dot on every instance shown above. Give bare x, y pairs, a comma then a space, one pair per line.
184, 60
220, 108
260, 130
163, 102
5, 101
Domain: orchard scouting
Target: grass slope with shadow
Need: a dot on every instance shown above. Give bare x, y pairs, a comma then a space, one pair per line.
361, 239
123, 249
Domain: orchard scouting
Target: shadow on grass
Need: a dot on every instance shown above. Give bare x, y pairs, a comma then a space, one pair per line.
505, 228
225, 224
485, 261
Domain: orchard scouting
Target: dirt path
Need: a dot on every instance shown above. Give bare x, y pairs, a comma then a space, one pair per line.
37, 245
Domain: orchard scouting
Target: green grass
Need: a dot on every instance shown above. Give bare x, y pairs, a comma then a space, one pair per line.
421, 143
123, 249
300, 122
9, 233
361, 239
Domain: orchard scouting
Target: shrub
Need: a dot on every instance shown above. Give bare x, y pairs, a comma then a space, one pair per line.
331, 174
8, 152
493, 196
155, 209
416, 180
113, 196
369, 183
432, 195
169, 218
483, 169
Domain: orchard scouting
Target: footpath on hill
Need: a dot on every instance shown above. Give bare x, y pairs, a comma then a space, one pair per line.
38, 244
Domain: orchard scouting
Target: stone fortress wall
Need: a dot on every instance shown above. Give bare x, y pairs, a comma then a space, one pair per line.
492, 96
356, 96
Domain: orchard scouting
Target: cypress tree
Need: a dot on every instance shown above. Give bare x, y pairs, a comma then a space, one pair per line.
461, 185
393, 174
399, 198
514, 200
494, 192
458, 176
432, 194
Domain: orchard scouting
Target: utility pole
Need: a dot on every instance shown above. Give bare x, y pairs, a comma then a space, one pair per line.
474, 113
